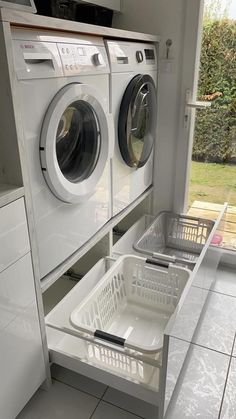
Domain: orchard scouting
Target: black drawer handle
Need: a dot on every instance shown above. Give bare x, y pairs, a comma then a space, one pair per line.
109, 338
157, 263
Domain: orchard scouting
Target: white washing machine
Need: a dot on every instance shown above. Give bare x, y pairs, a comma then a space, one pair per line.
133, 84
63, 86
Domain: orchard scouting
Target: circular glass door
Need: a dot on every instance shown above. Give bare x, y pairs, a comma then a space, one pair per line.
78, 141
137, 121
74, 143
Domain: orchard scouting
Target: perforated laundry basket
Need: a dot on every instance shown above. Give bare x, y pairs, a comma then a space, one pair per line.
175, 237
122, 363
130, 307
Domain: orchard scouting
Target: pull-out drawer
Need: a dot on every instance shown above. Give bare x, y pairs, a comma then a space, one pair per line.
14, 240
85, 356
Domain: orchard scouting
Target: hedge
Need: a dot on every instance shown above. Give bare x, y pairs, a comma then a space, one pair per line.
215, 128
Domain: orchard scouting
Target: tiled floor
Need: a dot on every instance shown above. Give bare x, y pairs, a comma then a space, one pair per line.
206, 386
228, 410
74, 396
200, 393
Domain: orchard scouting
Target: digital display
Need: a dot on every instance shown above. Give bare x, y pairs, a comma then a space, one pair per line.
149, 54
27, 5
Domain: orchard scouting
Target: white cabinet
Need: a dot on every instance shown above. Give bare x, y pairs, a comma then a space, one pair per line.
21, 355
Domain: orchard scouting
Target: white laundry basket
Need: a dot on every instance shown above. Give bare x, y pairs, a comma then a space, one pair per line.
129, 308
175, 238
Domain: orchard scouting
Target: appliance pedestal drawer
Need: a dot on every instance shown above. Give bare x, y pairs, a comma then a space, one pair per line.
132, 375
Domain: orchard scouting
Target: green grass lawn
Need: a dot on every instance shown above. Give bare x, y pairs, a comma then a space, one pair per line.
213, 182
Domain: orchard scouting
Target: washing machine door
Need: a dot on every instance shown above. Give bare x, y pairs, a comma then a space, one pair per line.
137, 121
74, 144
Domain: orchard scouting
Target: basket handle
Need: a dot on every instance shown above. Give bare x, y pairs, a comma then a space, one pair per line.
164, 257
157, 263
109, 338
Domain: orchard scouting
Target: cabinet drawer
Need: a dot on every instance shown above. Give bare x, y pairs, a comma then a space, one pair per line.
21, 354
85, 357
14, 239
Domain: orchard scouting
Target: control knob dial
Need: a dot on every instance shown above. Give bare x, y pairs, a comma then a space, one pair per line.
139, 56
97, 59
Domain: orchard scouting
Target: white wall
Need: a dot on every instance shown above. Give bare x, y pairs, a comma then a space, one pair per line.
166, 18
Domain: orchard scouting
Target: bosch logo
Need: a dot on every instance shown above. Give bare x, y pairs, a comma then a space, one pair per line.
27, 46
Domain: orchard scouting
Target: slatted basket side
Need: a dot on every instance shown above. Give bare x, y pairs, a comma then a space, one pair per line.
187, 234
100, 311
160, 289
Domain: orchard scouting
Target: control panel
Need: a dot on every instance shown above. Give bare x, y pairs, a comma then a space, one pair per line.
130, 56
80, 58
146, 55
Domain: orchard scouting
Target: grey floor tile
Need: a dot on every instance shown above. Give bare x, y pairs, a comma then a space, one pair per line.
229, 403
78, 381
107, 411
217, 326
225, 280
60, 402
234, 350
200, 387
131, 404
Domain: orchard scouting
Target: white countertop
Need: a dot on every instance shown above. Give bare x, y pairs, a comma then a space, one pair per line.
18, 18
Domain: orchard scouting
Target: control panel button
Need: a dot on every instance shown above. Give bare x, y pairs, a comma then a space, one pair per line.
139, 56
97, 59
80, 51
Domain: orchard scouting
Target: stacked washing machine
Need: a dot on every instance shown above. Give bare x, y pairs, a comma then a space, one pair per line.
63, 87
133, 104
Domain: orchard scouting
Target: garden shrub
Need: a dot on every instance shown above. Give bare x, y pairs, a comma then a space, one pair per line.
215, 129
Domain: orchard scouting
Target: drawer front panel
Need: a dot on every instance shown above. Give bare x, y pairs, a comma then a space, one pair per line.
21, 355
14, 238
